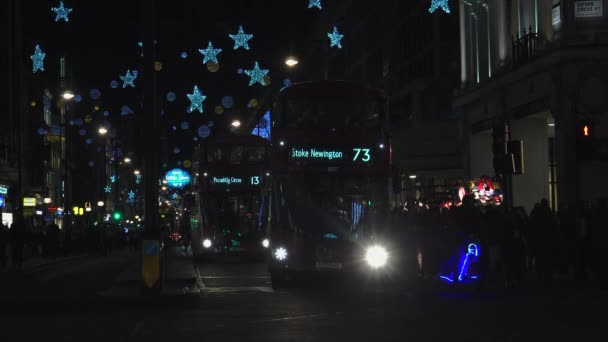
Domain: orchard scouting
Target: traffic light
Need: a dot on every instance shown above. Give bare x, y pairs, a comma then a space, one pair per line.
117, 215
585, 140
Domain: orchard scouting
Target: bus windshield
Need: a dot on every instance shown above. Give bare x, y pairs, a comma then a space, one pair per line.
237, 214
332, 113
330, 203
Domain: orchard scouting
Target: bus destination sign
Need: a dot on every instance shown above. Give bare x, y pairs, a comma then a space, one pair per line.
359, 155
233, 181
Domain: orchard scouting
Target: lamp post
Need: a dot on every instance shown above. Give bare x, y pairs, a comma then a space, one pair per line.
66, 96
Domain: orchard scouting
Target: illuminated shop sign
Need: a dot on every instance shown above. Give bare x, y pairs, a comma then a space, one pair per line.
177, 178
1, 201
29, 201
588, 9
350, 155
228, 181
3, 190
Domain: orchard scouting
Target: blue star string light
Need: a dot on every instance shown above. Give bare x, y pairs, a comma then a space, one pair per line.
137, 179
314, 3
196, 99
174, 196
38, 59
107, 189
334, 38
128, 79
126, 110
256, 74
210, 54
241, 39
131, 195
436, 4
113, 179
61, 12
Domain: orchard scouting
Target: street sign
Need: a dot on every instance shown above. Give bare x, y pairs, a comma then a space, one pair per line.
29, 201
150, 262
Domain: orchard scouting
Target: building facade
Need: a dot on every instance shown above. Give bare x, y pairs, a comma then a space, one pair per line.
536, 71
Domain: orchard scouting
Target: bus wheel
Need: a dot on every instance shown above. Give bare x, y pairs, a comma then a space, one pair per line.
278, 280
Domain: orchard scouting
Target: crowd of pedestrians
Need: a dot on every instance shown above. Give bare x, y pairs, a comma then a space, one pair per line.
544, 245
25, 240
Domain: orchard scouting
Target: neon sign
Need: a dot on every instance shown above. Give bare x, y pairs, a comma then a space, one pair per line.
464, 273
1, 201
356, 154
177, 178
3, 190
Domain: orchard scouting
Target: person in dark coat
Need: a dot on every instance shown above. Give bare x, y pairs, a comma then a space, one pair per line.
18, 234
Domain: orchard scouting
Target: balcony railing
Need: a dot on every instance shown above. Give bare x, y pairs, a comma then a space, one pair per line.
524, 48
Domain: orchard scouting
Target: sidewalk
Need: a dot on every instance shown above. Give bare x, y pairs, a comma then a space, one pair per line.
32, 263
179, 277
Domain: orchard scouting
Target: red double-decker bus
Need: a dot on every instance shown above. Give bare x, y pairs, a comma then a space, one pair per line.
331, 167
233, 177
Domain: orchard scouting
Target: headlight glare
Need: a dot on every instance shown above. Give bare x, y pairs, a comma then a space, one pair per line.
376, 256
207, 243
280, 253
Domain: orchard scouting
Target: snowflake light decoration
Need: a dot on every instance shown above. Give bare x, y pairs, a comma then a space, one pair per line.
61, 12
107, 189
334, 38
443, 4
38, 59
196, 99
210, 54
241, 39
256, 74
128, 79
314, 3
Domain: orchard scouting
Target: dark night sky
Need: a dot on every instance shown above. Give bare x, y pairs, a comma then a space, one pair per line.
100, 42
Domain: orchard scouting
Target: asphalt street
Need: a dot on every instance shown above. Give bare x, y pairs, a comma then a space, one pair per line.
237, 303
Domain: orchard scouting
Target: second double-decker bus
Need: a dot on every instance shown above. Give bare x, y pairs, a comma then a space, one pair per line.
331, 166
233, 187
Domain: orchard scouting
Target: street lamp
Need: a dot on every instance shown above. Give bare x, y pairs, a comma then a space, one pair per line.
291, 61
127, 160
102, 130
136, 172
100, 204
68, 95
236, 123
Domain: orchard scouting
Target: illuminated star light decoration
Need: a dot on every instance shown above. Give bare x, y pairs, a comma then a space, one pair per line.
196, 100
131, 195
314, 3
107, 189
443, 4
241, 39
210, 54
334, 38
256, 74
61, 12
137, 179
174, 196
128, 79
38, 59
113, 179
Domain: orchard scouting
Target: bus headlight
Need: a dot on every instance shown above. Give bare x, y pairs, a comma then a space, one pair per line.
265, 243
207, 243
280, 253
376, 256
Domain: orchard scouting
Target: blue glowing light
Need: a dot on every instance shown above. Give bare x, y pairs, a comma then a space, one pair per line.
38, 59
239, 71
196, 100
78, 122
107, 189
55, 130
184, 125
227, 101
78, 98
128, 79
95, 93
210, 124
174, 196
114, 84
241, 39
204, 131
177, 150
91, 163
140, 44
448, 279
113, 179
256, 74
184, 55
472, 252
330, 236
137, 179
61, 12
335, 38
314, 3
436, 4
131, 195
210, 54
89, 141
171, 96
287, 82
126, 110
82, 132
263, 127
41, 131
106, 113
71, 122
177, 178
